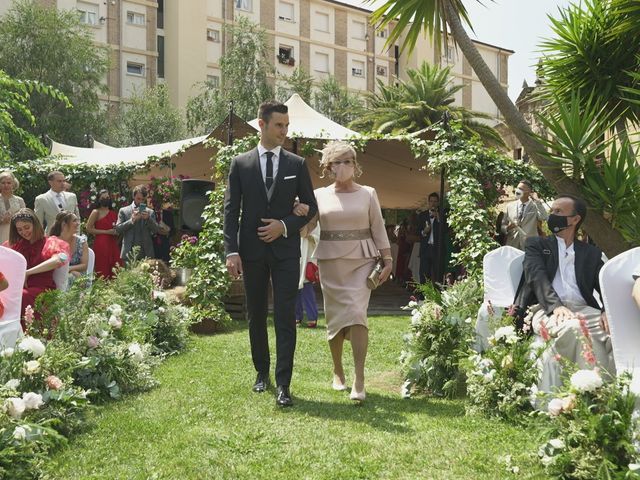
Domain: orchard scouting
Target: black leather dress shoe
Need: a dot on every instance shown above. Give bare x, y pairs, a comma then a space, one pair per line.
283, 397
262, 383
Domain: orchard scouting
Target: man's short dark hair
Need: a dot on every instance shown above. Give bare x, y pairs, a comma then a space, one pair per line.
267, 109
527, 183
434, 194
579, 207
53, 175
140, 189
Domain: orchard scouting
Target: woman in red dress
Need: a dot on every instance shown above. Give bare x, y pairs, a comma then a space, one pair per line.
43, 254
101, 224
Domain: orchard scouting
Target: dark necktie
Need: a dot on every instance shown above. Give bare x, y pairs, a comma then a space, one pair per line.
521, 213
268, 181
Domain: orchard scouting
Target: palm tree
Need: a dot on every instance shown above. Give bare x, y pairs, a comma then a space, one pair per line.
416, 105
436, 18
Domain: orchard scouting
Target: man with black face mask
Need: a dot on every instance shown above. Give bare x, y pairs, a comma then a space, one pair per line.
560, 276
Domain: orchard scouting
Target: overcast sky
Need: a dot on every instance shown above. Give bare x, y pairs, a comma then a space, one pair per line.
513, 24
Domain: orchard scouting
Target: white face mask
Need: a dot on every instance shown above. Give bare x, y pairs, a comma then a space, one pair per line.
518, 193
343, 172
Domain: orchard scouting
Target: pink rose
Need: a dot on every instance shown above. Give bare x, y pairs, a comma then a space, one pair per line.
53, 382
93, 341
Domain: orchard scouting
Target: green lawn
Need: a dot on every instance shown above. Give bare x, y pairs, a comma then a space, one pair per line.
205, 423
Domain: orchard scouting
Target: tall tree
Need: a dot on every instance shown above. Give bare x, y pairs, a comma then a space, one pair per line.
419, 103
244, 67
50, 46
149, 119
300, 82
437, 18
337, 102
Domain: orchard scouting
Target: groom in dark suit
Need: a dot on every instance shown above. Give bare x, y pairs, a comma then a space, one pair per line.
263, 185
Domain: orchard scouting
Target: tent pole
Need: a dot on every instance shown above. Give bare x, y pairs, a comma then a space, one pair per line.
230, 125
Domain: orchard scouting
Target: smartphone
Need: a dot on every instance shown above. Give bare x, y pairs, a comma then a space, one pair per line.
142, 207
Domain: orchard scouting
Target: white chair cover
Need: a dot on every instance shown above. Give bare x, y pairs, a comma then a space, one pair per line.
502, 269
61, 277
91, 264
13, 266
616, 283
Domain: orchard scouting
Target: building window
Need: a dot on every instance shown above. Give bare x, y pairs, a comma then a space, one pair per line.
450, 54
160, 17
359, 30
381, 70
135, 18
382, 33
213, 35
213, 81
286, 11
160, 56
243, 5
517, 154
285, 55
88, 13
134, 68
321, 62
322, 22
357, 68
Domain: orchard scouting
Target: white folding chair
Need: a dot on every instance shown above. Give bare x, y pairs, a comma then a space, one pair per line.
502, 269
91, 263
623, 314
61, 277
13, 266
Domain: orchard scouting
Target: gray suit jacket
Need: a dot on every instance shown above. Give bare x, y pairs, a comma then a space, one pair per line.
136, 234
46, 208
527, 226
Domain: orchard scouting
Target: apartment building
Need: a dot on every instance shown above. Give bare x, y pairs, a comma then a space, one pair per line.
180, 43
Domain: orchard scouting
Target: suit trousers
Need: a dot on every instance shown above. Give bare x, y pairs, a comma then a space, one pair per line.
284, 275
428, 262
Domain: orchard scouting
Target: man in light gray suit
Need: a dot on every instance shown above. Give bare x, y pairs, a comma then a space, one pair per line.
49, 204
137, 223
522, 216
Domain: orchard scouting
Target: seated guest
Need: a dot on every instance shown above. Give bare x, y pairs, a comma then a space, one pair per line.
102, 224
43, 254
65, 228
137, 224
560, 276
3, 286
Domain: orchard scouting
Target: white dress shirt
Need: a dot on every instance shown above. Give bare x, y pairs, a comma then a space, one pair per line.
59, 200
262, 152
565, 283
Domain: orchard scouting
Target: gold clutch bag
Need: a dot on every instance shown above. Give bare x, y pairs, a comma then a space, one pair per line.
373, 280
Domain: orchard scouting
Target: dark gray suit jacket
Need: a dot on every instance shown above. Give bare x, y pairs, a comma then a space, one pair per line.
136, 234
246, 202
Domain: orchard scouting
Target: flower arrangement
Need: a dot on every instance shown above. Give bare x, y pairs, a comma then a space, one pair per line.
592, 431
165, 190
440, 334
186, 253
502, 381
105, 342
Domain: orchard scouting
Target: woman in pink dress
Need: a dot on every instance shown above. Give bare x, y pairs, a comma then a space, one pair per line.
101, 223
352, 238
43, 254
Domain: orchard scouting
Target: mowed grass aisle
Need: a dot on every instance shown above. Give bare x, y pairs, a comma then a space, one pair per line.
204, 422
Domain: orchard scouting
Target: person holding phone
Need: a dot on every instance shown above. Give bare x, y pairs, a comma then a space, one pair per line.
137, 225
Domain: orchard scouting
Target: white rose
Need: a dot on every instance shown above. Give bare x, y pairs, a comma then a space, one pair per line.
568, 403
31, 367
555, 407
7, 352
115, 309
161, 310
12, 384
416, 318
556, 443
14, 406
19, 433
586, 380
157, 294
136, 352
32, 345
115, 322
507, 333
488, 377
32, 401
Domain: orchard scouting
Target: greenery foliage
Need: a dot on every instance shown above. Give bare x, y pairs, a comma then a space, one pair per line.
91, 344
300, 82
415, 105
336, 102
441, 330
50, 46
149, 119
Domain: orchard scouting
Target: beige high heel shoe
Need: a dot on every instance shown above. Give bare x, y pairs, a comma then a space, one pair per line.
337, 385
357, 396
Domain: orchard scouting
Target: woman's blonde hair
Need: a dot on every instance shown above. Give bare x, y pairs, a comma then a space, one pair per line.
333, 150
9, 175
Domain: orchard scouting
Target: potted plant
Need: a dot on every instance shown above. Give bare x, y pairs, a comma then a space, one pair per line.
184, 257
